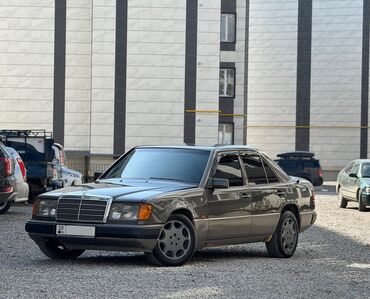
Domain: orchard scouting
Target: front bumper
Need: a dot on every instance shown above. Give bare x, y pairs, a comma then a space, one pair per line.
107, 236
366, 199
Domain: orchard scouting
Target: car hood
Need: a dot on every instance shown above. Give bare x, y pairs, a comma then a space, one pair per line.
134, 191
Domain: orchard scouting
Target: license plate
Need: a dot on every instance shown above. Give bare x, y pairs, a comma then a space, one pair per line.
75, 230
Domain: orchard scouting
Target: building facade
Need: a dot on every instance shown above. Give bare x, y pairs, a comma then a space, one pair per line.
106, 75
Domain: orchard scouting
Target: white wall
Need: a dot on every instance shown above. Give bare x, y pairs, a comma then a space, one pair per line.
103, 68
26, 64
208, 64
272, 75
155, 72
78, 75
240, 72
336, 81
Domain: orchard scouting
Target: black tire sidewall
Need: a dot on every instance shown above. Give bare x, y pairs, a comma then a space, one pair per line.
171, 262
361, 206
342, 200
51, 250
6, 207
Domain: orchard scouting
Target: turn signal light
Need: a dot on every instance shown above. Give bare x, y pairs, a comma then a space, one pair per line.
145, 211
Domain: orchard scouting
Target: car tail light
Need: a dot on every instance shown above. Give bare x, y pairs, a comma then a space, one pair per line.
22, 167
8, 189
7, 166
320, 172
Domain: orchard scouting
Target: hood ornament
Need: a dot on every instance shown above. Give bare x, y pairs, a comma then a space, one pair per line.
83, 191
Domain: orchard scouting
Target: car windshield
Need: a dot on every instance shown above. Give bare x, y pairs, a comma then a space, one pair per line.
365, 172
185, 165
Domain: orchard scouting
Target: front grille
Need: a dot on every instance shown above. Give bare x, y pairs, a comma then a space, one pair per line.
82, 209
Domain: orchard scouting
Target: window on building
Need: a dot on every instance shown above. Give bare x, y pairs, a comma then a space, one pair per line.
226, 133
227, 28
227, 82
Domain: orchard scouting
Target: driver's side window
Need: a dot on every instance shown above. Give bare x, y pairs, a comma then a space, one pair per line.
229, 168
348, 168
355, 168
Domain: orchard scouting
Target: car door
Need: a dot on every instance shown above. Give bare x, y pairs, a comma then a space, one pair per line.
229, 211
343, 179
352, 182
266, 191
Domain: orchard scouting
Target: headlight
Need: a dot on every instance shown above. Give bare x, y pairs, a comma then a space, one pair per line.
126, 212
44, 208
367, 189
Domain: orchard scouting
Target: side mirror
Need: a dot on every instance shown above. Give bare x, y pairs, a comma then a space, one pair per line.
353, 175
217, 183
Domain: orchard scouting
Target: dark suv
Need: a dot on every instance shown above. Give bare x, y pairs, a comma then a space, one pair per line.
301, 164
7, 179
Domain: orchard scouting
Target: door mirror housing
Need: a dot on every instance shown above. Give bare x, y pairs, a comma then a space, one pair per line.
353, 175
217, 183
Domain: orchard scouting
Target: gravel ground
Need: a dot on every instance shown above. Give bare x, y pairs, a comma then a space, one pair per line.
332, 261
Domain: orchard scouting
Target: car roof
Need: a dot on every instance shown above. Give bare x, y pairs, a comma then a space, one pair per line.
213, 148
362, 160
296, 154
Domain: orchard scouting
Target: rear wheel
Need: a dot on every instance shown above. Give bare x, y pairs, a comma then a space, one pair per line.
176, 242
55, 250
361, 206
342, 201
285, 239
4, 206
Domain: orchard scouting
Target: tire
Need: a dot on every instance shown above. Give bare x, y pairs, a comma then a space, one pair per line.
176, 242
4, 206
342, 201
285, 239
53, 249
361, 206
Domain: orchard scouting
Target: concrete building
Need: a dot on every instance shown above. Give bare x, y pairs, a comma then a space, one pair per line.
106, 75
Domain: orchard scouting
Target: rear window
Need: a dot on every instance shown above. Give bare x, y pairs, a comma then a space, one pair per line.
311, 164
289, 164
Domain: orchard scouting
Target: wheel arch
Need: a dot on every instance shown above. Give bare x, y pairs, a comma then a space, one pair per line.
185, 212
294, 209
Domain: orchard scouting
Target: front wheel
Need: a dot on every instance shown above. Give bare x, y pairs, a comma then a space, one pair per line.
342, 201
285, 239
176, 242
55, 250
361, 206
4, 206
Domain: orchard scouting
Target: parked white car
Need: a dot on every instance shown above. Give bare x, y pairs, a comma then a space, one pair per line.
64, 176
71, 177
21, 187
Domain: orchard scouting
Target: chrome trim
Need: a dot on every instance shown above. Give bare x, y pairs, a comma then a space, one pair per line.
108, 205
306, 213
264, 215
222, 218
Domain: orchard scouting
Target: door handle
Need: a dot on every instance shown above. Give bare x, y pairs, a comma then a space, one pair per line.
280, 193
245, 195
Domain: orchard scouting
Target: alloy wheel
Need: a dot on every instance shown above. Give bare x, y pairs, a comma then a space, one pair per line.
174, 240
289, 233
